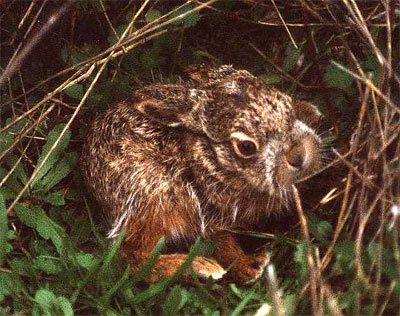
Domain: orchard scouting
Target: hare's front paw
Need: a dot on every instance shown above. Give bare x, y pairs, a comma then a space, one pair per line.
202, 266
249, 268
205, 268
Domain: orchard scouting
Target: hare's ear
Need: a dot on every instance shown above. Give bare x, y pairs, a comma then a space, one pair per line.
307, 113
172, 114
157, 110
198, 72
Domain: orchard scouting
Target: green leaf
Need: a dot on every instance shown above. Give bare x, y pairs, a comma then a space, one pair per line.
6, 284
371, 63
270, 78
55, 198
242, 304
79, 234
47, 264
19, 171
339, 100
335, 77
289, 303
63, 305
8, 193
369, 310
198, 56
46, 303
319, 229
39, 247
45, 299
16, 128
189, 20
86, 260
292, 56
197, 249
75, 91
59, 171
152, 15
77, 57
53, 158
301, 258
388, 261
324, 230
35, 217
145, 271
120, 30
175, 301
22, 267
3, 229
116, 285
111, 253
12, 183
345, 253
74, 195
235, 290
5, 141
64, 54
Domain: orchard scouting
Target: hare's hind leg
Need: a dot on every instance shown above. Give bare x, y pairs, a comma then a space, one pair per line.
160, 204
136, 251
167, 265
247, 268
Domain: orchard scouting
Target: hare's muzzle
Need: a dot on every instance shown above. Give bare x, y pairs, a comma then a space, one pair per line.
299, 160
296, 156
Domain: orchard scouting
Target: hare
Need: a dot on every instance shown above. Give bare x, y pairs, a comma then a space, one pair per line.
202, 158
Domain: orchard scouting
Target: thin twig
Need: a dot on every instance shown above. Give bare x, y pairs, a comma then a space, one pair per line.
312, 268
18, 58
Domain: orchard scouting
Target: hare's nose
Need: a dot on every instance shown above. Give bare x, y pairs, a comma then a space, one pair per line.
296, 155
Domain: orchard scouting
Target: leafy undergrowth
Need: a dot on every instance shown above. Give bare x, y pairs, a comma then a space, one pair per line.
337, 253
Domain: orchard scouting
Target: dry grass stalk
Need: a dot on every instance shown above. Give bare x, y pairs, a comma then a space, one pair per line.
371, 189
86, 68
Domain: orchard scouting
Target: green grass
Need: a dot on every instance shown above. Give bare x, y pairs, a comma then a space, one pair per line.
343, 260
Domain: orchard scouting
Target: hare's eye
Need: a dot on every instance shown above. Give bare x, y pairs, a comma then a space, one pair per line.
244, 146
247, 148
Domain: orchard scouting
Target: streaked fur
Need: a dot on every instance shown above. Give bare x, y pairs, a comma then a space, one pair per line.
162, 164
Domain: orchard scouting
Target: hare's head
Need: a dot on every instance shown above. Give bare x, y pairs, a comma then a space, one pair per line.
251, 131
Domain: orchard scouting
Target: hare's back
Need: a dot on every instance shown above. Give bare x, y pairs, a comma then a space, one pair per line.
125, 149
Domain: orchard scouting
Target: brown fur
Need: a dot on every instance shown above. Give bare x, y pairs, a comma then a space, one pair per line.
195, 159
